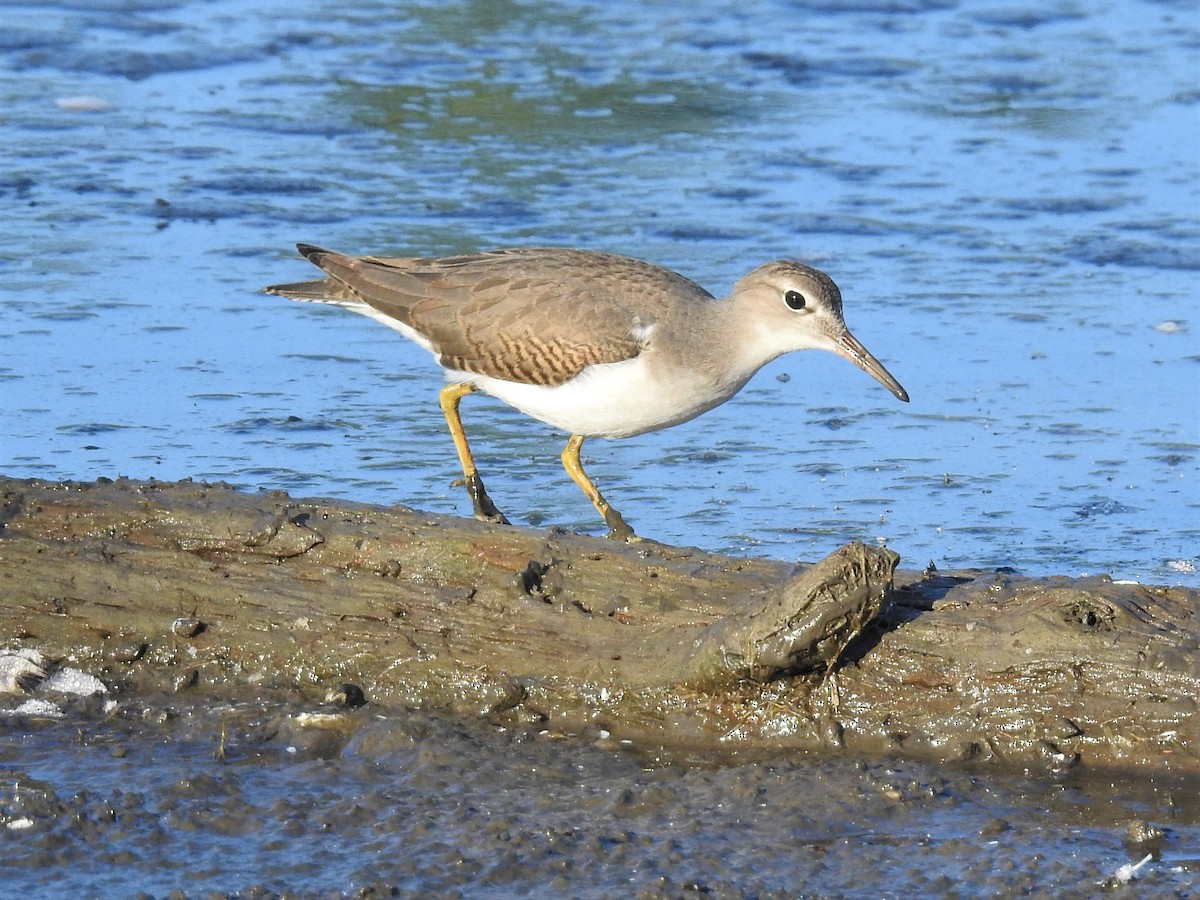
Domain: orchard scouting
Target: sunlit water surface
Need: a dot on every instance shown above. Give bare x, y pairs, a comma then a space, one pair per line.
1006, 195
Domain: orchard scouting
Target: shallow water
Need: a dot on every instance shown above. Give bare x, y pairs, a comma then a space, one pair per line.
415, 805
1007, 195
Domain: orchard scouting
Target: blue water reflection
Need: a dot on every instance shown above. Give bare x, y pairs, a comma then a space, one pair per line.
1006, 195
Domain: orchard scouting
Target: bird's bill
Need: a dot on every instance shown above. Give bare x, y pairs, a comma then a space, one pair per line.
847, 345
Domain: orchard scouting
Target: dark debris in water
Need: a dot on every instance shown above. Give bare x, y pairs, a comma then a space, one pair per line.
286, 423
1105, 250
134, 65
255, 184
797, 69
1102, 507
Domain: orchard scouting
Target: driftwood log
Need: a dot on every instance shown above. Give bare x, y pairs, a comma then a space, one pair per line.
203, 590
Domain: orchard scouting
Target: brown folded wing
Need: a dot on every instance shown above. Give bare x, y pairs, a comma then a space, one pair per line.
535, 315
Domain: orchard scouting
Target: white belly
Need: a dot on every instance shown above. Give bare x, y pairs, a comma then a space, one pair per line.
614, 400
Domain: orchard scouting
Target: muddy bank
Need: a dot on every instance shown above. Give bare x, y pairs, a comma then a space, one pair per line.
208, 592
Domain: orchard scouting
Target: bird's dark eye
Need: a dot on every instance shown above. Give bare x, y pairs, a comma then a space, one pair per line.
794, 300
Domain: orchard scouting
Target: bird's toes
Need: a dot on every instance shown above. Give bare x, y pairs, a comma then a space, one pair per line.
623, 533
492, 516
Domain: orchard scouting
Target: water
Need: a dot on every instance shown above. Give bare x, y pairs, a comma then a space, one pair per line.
1006, 195
414, 807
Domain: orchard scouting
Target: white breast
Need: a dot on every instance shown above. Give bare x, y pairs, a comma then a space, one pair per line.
613, 400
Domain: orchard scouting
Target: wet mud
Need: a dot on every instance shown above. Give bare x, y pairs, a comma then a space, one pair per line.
266, 800
193, 587
216, 693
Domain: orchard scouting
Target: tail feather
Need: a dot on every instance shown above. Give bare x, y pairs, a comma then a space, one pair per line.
320, 291
308, 251
324, 290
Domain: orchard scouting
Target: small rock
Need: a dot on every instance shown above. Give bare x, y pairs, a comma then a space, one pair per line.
187, 627
73, 681
43, 709
185, 681
21, 672
1139, 831
348, 695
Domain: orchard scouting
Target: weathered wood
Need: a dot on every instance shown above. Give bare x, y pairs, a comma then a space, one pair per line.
202, 589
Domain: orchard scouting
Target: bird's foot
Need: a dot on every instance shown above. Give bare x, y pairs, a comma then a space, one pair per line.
485, 509
618, 529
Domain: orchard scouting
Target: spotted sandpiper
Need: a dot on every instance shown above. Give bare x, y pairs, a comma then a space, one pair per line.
591, 343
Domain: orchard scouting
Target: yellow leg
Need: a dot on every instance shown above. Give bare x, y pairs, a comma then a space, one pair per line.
485, 510
617, 529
